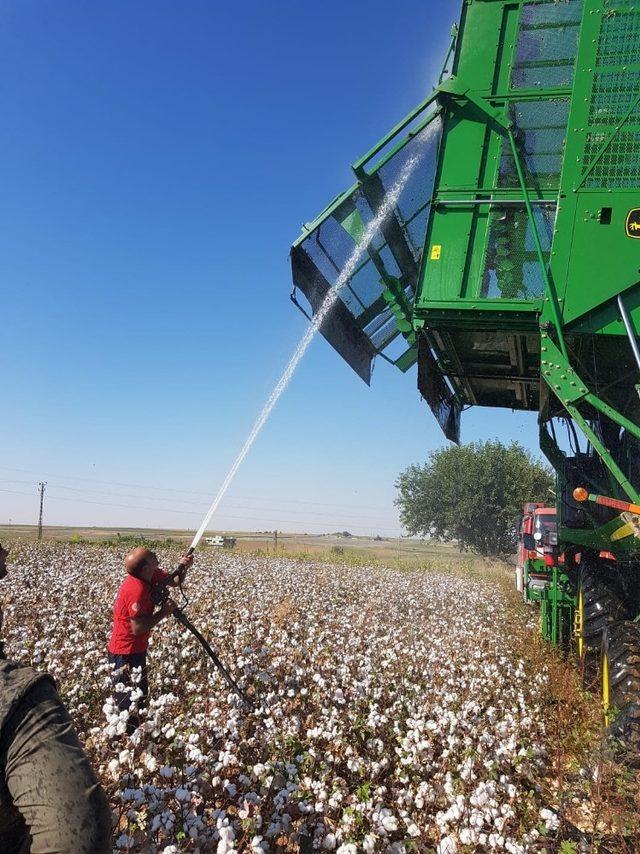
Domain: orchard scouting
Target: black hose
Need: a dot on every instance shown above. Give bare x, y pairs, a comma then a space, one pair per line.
184, 620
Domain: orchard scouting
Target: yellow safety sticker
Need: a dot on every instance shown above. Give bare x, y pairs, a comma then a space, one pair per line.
436, 252
630, 527
622, 532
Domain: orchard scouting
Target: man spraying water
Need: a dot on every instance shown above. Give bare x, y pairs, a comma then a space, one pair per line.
142, 602
134, 617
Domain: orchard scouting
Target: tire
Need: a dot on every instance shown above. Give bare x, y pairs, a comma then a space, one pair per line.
600, 602
620, 676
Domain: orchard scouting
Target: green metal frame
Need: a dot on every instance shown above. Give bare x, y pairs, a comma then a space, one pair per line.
584, 371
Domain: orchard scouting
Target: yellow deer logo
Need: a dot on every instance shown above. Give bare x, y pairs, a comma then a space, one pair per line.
632, 223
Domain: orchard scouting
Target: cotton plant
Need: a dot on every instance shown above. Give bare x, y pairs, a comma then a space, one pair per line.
385, 718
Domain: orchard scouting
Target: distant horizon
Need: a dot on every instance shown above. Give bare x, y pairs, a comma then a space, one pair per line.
186, 532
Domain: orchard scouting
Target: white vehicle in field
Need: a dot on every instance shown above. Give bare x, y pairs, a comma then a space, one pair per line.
221, 542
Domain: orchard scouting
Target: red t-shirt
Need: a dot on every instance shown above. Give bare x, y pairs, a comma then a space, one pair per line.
133, 600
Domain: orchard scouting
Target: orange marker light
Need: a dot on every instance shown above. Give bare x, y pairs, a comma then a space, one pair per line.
580, 493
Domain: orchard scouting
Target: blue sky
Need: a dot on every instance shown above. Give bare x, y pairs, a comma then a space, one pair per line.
157, 160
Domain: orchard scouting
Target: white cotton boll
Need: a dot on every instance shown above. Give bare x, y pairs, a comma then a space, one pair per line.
413, 830
390, 823
258, 771
447, 845
329, 842
226, 832
151, 763
466, 836
124, 756
166, 771
114, 766
369, 843
551, 820
183, 794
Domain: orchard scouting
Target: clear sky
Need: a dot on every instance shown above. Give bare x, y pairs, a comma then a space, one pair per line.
156, 161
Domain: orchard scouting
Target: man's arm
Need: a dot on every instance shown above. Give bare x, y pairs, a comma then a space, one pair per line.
142, 625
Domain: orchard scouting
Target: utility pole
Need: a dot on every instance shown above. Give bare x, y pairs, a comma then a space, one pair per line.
41, 486
275, 541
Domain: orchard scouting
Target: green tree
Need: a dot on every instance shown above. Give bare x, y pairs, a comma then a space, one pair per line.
472, 494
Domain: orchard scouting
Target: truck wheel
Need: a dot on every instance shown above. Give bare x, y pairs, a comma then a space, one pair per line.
599, 603
620, 673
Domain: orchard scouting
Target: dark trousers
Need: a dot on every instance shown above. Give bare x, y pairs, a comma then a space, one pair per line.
50, 799
122, 665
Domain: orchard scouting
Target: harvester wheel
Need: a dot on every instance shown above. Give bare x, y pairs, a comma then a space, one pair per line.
600, 602
620, 670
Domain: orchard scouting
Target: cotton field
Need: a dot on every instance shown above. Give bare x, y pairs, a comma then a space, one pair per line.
392, 712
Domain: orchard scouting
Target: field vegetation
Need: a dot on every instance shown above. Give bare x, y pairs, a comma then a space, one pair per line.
399, 708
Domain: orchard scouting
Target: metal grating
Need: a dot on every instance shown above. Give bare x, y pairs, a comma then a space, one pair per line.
362, 323
444, 403
612, 149
619, 166
540, 129
511, 266
547, 45
612, 96
619, 42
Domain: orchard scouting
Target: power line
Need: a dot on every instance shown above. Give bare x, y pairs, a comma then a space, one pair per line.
183, 491
42, 485
244, 518
237, 504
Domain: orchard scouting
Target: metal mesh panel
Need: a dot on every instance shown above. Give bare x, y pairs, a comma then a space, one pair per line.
612, 96
619, 42
433, 387
511, 268
611, 154
547, 44
394, 252
619, 165
413, 204
540, 129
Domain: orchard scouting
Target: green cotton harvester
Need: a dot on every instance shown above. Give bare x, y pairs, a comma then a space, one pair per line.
509, 271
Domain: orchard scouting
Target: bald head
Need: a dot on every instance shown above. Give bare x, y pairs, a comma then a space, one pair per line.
141, 562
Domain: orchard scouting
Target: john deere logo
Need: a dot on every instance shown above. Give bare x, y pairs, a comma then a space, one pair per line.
632, 224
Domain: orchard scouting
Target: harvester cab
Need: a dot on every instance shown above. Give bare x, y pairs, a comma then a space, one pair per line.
508, 269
